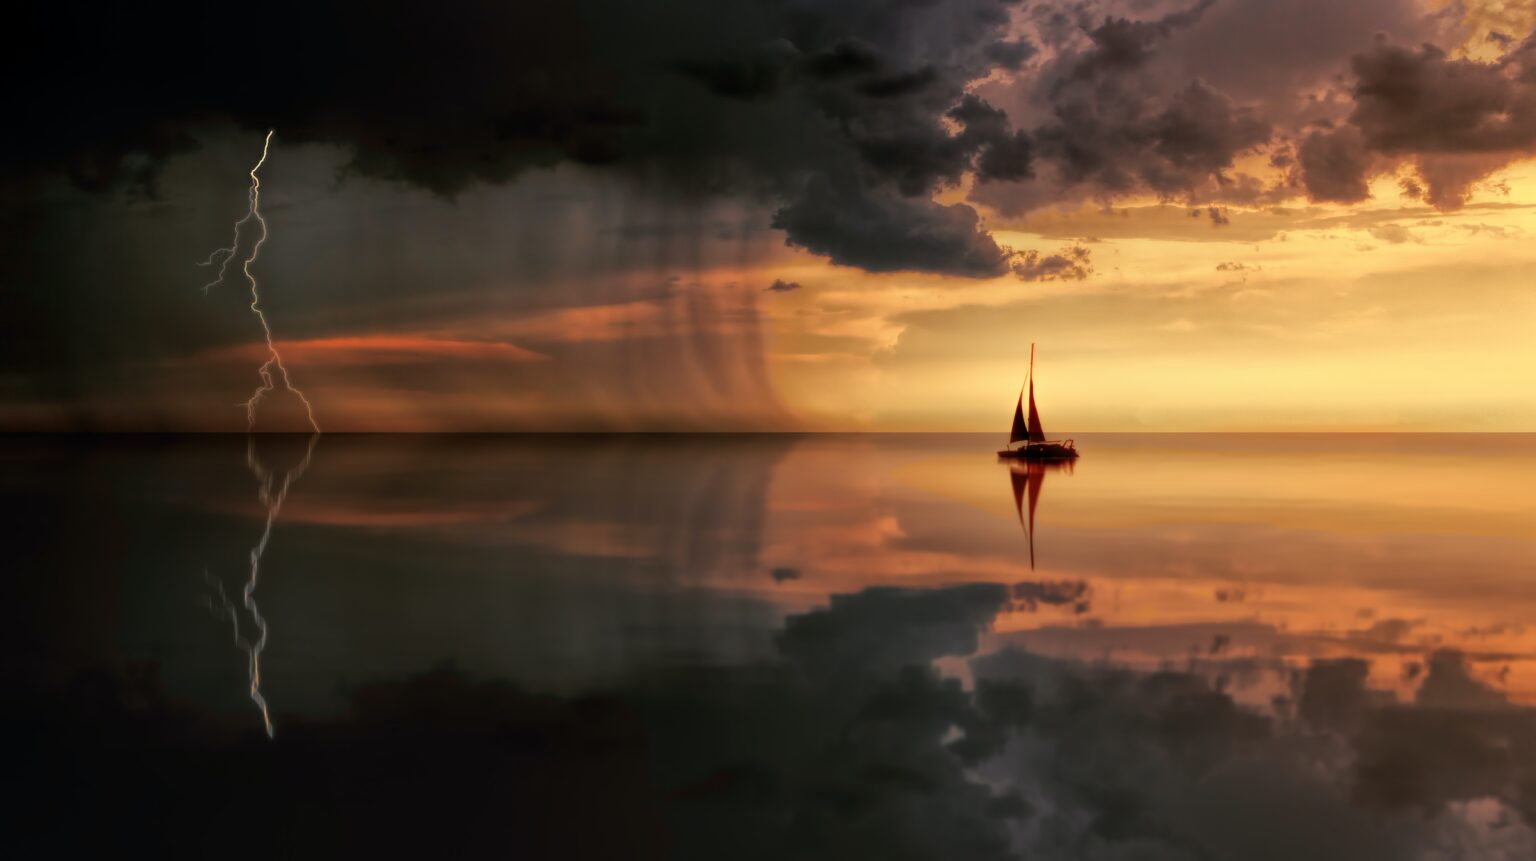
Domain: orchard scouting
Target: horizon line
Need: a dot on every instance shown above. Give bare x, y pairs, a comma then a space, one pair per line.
730, 432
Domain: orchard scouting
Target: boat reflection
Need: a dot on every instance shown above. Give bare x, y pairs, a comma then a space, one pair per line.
1026, 477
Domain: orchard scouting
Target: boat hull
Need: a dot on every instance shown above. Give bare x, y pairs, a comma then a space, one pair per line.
1041, 451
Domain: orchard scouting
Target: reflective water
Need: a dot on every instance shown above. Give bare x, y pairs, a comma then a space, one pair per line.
1196, 646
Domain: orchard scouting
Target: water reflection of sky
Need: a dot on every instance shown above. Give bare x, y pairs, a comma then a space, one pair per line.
825, 641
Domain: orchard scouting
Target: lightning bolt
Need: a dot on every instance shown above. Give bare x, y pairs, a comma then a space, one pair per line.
272, 495
223, 256
269, 491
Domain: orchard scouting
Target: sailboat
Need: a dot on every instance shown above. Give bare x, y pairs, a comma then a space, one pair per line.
1036, 446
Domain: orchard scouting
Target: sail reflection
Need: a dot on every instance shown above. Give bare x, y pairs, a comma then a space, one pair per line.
1026, 477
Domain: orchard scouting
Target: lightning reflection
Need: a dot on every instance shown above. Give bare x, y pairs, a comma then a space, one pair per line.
272, 493
223, 256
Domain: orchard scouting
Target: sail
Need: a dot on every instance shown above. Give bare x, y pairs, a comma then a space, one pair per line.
1019, 431
1036, 432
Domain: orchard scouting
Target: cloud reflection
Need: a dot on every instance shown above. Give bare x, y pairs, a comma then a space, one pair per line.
847, 743
781, 647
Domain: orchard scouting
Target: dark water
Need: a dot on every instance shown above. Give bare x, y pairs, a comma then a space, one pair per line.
1196, 647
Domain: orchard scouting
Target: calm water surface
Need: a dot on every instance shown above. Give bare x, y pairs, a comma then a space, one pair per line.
1185, 646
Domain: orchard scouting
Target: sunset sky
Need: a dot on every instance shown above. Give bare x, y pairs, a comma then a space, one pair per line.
687, 215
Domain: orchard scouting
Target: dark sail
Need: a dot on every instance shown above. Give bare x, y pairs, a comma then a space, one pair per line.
1019, 431
1036, 432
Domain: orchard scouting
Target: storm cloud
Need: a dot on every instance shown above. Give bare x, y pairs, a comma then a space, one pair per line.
850, 226
775, 99
845, 117
1454, 120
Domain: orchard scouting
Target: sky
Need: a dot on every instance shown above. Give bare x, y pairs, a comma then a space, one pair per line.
1207, 215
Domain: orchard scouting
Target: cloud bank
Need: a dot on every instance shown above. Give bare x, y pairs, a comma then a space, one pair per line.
846, 117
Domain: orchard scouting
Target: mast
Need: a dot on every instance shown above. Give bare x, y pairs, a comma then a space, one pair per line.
1036, 431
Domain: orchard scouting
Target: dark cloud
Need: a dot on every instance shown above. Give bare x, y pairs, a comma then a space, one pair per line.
779, 285
1454, 120
1335, 164
753, 99
883, 231
1117, 142
1011, 54
1389, 630
1332, 693
1449, 684
900, 84
1070, 264
769, 99
1218, 216
1122, 44
1117, 121
838, 748
884, 629
843, 58
1003, 155
1028, 595
1167, 765
746, 79
1283, 55
1138, 101
1423, 101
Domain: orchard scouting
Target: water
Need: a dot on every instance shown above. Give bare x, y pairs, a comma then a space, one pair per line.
1242, 646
